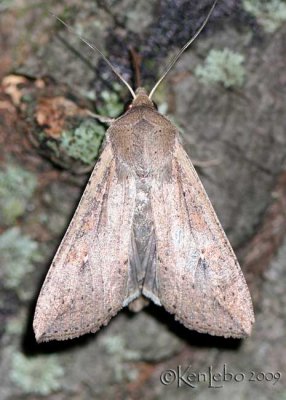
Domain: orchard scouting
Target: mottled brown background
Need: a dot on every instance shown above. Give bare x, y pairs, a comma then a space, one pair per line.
241, 129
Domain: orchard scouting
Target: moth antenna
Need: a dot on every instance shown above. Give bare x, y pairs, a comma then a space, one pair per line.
93, 47
176, 57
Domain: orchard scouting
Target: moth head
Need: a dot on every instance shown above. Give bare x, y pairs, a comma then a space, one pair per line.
141, 99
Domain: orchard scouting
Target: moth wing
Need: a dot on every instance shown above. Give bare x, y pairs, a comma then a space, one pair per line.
87, 282
198, 277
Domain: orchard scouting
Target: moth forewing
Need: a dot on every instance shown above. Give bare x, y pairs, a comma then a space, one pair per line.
88, 279
198, 276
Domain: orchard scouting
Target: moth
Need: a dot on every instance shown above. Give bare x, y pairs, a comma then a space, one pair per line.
144, 228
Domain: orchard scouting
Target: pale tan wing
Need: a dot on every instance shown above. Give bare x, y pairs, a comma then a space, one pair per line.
87, 282
198, 277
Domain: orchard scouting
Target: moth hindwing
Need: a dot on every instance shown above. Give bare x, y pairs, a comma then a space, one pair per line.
144, 226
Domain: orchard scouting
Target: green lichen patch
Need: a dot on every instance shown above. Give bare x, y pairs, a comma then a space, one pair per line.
77, 147
84, 142
269, 13
222, 66
18, 252
17, 187
15, 325
111, 104
116, 347
39, 374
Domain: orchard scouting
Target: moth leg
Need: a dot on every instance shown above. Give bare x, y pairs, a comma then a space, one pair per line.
206, 163
150, 287
101, 118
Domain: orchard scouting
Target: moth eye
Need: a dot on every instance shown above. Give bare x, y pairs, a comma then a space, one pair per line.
127, 106
155, 105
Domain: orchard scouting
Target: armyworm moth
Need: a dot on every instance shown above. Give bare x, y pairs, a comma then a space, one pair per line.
144, 227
